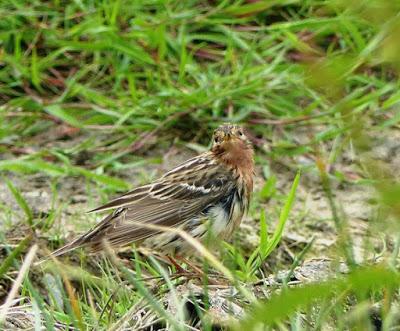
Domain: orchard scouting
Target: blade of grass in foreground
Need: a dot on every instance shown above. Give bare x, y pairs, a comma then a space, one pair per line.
30, 256
21, 202
144, 292
289, 301
14, 255
39, 301
267, 246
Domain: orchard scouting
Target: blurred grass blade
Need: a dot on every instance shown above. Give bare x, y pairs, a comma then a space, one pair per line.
8, 261
284, 215
113, 182
62, 114
21, 202
22, 272
269, 188
263, 234
144, 292
48, 317
73, 301
290, 300
24, 165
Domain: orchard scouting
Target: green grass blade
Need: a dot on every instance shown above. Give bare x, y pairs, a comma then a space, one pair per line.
264, 240
287, 302
21, 202
8, 261
284, 215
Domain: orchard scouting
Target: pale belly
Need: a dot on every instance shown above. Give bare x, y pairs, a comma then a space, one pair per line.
219, 224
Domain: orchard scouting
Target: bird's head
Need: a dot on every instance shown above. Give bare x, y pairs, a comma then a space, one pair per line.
232, 148
228, 136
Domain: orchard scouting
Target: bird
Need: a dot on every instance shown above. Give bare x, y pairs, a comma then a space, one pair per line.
209, 193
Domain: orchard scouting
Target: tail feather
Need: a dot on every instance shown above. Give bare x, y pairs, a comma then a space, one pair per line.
74, 244
92, 238
85, 239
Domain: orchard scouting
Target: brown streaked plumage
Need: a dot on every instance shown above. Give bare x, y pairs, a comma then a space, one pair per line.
210, 192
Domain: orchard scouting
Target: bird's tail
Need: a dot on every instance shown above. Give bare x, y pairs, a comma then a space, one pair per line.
74, 244
83, 240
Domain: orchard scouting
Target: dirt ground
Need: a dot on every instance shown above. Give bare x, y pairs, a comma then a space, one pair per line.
310, 218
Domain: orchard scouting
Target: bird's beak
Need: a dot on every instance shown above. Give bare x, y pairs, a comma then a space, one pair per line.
227, 137
230, 138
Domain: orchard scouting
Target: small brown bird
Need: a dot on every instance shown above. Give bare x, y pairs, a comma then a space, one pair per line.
210, 192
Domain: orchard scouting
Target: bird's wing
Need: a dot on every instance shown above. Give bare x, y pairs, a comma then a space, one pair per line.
196, 176
178, 196
124, 200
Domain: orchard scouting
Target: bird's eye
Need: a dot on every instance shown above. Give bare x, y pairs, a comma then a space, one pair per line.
240, 133
216, 140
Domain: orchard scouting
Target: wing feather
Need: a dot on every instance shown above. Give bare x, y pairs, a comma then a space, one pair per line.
179, 196
135, 195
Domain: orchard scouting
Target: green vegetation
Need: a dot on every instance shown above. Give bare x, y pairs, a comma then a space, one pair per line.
99, 96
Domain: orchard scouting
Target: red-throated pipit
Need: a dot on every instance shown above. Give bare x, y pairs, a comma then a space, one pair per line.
210, 192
